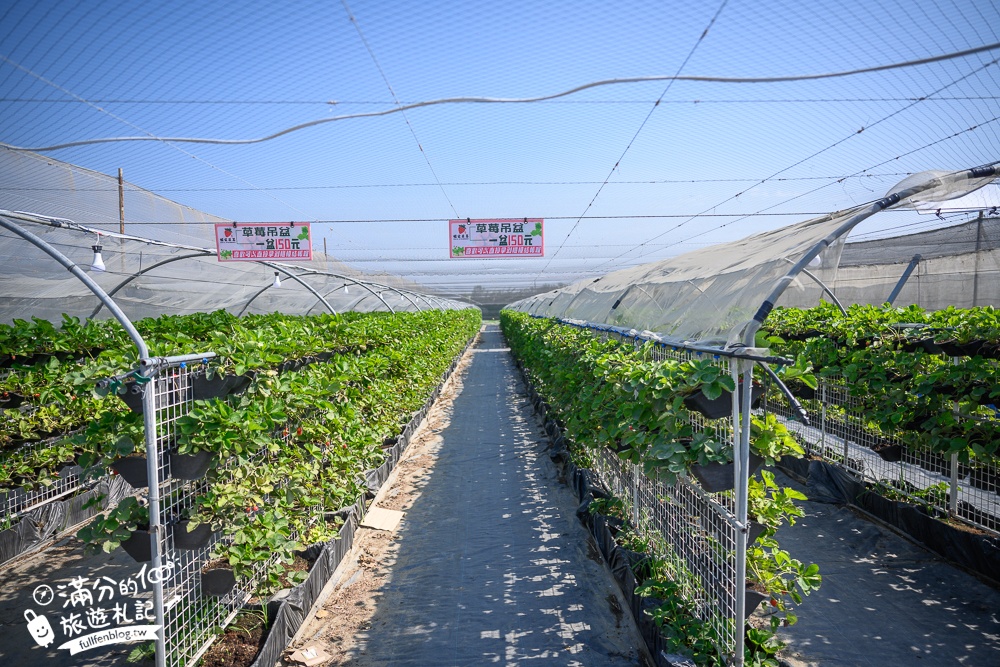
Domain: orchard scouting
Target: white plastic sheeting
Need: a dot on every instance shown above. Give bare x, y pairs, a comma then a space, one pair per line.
715, 294
165, 264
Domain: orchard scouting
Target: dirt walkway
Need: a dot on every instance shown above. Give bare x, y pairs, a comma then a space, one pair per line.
489, 563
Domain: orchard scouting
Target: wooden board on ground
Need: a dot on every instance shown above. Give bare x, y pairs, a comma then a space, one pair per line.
382, 519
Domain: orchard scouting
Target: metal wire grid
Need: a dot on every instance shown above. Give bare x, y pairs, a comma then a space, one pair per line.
697, 530
18, 501
840, 435
696, 539
190, 616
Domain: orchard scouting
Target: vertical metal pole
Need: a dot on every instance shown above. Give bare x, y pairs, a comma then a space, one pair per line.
953, 498
155, 524
636, 471
975, 276
121, 201
741, 459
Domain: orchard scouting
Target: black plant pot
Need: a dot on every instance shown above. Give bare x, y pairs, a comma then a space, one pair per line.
138, 547
752, 600
133, 396
190, 466
716, 477
754, 531
891, 453
11, 401
133, 470
802, 391
217, 582
190, 540
722, 406
219, 386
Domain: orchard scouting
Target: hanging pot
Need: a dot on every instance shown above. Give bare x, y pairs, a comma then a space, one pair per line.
802, 391
717, 408
752, 600
754, 531
190, 540
891, 453
133, 470
217, 581
190, 466
220, 386
9, 401
716, 477
138, 546
132, 395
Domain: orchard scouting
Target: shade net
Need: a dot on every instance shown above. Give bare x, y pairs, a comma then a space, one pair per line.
957, 266
149, 278
708, 296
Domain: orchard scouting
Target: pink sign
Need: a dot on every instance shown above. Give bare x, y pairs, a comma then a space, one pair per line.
249, 241
495, 237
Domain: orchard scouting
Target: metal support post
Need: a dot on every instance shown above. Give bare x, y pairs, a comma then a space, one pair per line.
156, 530
636, 472
903, 278
741, 459
953, 496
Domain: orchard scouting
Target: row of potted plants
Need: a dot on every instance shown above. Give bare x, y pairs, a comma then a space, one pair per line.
289, 451
615, 396
932, 402
606, 394
951, 331
61, 393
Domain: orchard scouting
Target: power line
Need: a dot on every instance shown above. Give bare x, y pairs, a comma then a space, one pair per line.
395, 100
470, 184
823, 150
635, 136
498, 100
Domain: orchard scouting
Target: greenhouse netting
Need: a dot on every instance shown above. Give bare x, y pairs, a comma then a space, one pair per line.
714, 294
164, 268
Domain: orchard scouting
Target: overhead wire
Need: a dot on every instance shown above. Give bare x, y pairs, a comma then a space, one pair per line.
497, 100
136, 127
809, 157
395, 100
645, 120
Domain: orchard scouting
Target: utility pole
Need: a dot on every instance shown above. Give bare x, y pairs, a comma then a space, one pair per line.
121, 218
121, 201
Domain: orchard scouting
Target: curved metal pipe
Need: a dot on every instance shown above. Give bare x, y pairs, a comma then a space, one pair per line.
301, 282
73, 268
251, 300
144, 271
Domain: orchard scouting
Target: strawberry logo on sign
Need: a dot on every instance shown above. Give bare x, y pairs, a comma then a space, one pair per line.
229, 232
461, 229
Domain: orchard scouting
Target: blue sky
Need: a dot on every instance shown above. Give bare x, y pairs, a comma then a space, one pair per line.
75, 71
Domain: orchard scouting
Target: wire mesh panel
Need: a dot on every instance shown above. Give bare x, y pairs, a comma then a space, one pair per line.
65, 482
696, 531
840, 434
697, 540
